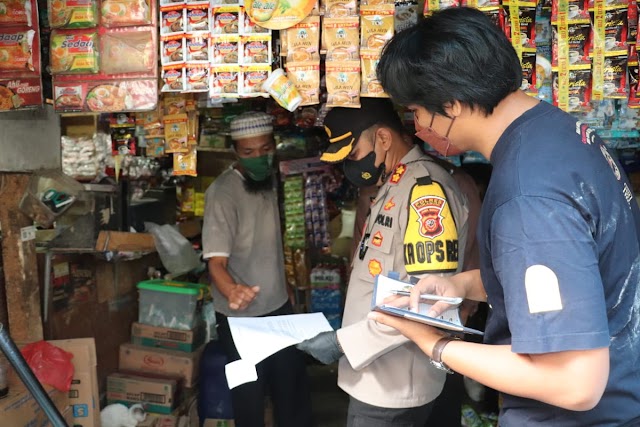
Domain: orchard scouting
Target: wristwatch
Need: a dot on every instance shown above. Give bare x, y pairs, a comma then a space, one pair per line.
436, 354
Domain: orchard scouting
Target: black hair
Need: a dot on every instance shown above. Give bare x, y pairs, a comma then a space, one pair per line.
455, 54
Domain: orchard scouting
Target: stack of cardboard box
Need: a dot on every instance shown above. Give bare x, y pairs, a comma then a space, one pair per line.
80, 407
158, 368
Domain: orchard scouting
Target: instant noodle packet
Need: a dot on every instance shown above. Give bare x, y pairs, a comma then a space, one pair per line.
128, 52
15, 12
73, 53
73, 13
16, 50
125, 13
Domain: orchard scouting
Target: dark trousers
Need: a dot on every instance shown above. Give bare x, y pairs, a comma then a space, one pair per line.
447, 408
282, 376
362, 414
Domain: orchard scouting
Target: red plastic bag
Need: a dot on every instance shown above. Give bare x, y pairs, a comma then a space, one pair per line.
52, 365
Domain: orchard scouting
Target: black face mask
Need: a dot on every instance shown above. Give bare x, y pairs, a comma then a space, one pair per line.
363, 172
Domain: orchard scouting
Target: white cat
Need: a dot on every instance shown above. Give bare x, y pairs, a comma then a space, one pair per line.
118, 415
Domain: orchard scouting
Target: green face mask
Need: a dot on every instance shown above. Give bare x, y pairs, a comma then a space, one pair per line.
258, 168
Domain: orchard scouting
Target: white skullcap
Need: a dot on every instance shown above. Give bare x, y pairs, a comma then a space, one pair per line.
250, 124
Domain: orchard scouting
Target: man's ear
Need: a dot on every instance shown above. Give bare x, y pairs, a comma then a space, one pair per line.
454, 109
384, 136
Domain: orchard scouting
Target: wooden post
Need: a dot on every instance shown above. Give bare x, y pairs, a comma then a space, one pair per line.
20, 264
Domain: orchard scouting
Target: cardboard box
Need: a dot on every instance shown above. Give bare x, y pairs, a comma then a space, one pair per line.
170, 339
134, 358
157, 394
83, 396
20, 409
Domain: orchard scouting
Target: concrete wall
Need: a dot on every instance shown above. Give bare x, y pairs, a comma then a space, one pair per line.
29, 140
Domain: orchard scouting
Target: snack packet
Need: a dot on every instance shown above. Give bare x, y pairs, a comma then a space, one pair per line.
253, 77
303, 40
377, 25
225, 81
341, 38
343, 84
306, 77
256, 49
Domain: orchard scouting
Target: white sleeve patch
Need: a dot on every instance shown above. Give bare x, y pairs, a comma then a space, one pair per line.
543, 291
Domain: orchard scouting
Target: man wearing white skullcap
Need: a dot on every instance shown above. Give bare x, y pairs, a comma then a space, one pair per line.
243, 245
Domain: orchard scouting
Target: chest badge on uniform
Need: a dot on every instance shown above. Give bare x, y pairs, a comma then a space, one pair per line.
429, 210
389, 205
375, 267
377, 239
397, 174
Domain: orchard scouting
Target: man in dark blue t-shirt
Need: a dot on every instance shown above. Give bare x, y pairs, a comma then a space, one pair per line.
558, 234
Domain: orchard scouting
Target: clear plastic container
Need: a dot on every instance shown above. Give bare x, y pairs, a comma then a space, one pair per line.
170, 304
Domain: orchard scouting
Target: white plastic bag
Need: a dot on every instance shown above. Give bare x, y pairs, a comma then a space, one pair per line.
176, 253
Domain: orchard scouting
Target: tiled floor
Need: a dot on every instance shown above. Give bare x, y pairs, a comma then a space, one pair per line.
329, 402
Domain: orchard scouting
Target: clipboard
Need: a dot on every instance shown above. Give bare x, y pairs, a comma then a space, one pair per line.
386, 286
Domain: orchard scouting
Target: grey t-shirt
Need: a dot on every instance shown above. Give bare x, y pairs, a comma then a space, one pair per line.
245, 227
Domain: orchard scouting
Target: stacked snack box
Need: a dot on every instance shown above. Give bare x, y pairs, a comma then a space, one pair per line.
159, 367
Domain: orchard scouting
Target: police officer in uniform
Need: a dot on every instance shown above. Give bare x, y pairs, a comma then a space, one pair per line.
417, 225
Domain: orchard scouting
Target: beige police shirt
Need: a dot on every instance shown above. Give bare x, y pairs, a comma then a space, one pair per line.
381, 367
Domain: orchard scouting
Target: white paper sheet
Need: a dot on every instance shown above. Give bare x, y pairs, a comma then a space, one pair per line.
240, 372
257, 338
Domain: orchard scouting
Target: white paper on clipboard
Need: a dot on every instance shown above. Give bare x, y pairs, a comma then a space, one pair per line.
449, 320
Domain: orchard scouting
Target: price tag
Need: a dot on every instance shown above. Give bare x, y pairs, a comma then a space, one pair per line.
27, 233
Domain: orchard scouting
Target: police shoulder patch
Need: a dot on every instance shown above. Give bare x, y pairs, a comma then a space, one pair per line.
431, 235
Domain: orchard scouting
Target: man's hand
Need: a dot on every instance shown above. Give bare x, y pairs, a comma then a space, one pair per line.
436, 285
241, 296
324, 347
424, 336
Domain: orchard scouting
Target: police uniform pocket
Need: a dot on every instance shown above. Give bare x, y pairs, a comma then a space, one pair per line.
378, 257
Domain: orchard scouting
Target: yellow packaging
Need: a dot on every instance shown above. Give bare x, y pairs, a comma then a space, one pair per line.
343, 84
303, 40
174, 103
306, 77
370, 86
186, 163
376, 24
340, 38
340, 8
176, 132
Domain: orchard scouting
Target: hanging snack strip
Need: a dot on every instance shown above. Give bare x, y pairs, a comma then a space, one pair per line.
20, 71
